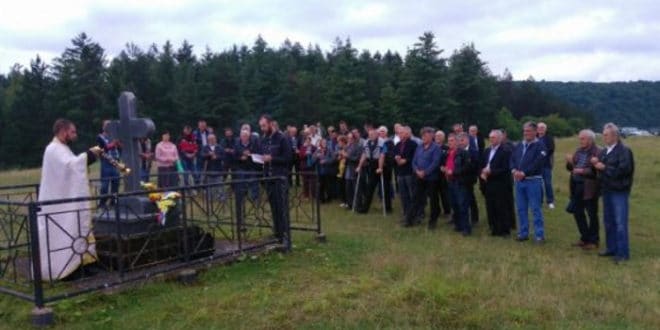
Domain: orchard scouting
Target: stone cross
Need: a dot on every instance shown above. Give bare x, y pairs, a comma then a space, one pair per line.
129, 129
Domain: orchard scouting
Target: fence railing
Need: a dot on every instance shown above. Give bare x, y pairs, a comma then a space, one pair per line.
52, 250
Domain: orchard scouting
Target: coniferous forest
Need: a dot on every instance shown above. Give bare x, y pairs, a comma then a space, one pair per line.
177, 84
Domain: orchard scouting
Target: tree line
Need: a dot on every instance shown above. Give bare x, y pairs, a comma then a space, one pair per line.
634, 103
295, 84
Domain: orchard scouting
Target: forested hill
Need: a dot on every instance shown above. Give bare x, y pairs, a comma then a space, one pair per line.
625, 103
426, 86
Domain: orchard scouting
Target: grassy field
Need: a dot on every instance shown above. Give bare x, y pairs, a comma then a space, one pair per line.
373, 274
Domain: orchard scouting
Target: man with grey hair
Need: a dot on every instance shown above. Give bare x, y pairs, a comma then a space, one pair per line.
497, 181
425, 165
404, 151
584, 190
616, 167
527, 163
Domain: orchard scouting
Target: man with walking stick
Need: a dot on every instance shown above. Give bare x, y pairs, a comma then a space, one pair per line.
373, 162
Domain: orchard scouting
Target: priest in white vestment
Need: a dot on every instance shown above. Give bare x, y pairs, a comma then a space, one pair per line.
65, 229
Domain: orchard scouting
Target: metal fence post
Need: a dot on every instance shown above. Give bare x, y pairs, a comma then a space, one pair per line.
319, 233
41, 316
36, 256
239, 197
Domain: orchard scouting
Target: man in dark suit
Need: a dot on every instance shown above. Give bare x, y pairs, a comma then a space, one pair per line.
474, 149
549, 142
476, 139
496, 177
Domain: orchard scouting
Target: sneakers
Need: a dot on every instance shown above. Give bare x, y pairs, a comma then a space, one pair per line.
343, 205
551, 206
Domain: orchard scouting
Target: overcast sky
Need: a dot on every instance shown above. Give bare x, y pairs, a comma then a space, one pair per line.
555, 40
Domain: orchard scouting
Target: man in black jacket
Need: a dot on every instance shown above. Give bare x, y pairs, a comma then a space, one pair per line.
616, 167
549, 142
404, 151
496, 176
277, 156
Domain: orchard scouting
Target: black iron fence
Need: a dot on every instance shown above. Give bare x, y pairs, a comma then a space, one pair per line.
52, 250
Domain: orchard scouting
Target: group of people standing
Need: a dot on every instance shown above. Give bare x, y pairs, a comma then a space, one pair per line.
442, 170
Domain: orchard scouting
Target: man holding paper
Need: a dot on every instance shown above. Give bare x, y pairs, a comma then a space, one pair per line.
277, 156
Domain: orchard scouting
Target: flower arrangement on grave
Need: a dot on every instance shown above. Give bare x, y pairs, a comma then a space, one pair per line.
164, 200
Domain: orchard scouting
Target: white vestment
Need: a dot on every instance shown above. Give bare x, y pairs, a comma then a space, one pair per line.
65, 229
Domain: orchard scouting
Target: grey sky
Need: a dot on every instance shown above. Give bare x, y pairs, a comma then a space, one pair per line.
553, 40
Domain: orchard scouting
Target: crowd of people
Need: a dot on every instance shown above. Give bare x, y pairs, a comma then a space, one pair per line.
350, 165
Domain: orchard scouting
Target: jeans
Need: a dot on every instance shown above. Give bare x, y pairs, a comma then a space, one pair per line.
615, 218
199, 168
189, 168
460, 204
109, 181
529, 195
407, 191
547, 185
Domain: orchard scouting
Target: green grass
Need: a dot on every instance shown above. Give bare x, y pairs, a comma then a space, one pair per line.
373, 274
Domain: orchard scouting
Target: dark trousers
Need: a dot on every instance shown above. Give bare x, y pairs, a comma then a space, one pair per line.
460, 205
424, 190
349, 185
472, 201
371, 181
109, 181
326, 187
167, 177
583, 208
341, 189
406, 185
278, 197
309, 184
588, 230
500, 216
443, 190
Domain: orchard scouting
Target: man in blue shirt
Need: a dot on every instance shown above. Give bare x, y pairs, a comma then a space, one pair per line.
426, 168
527, 163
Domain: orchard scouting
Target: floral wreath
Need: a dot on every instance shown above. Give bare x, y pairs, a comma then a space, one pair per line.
163, 200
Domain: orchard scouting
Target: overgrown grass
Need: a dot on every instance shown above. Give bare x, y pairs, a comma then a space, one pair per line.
373, 274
